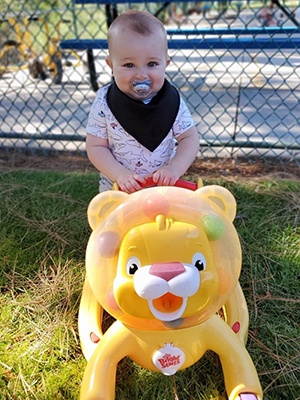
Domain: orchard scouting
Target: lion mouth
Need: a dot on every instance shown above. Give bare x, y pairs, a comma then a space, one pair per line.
168, 307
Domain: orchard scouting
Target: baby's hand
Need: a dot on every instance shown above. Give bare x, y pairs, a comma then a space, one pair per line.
128, 182
166, 176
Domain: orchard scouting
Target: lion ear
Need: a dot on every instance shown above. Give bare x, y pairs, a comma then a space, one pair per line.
220, 199
102, 205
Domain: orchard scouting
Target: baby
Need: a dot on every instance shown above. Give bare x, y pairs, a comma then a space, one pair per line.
135, 122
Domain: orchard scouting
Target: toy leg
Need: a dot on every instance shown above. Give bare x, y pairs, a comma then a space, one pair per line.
89, 321
100, 375
241, 383
239, 372
95, 387
237, 314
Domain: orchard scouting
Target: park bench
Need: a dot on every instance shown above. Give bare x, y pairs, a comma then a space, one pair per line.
229, 38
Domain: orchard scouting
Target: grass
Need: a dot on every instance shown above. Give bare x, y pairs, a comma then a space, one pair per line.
43, 235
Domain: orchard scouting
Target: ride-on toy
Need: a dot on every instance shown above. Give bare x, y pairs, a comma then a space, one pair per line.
40, 67
163, 262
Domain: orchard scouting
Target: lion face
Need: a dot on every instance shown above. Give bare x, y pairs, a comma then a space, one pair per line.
152, 261
165, 271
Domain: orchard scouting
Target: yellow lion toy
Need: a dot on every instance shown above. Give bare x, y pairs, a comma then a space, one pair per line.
163, 261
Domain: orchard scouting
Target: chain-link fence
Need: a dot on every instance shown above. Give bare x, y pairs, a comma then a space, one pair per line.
238, 71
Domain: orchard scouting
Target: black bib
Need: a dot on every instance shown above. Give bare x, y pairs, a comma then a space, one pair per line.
148, 123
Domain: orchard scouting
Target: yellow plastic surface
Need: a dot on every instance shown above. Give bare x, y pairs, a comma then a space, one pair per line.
163, 262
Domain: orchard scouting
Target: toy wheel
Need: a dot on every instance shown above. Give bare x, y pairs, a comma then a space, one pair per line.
4, 61
56, 70
32, 68
10, 55
36, 69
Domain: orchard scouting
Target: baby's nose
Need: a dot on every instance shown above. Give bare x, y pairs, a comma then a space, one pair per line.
141, 73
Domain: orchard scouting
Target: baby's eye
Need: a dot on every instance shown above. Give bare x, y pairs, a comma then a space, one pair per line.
129, 65
152, 64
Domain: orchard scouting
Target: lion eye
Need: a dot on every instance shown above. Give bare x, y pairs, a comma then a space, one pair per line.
199, 261
132, 268
133, 264
199, 265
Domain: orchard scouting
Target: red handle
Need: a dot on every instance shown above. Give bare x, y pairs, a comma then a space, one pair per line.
180, 183
149, 183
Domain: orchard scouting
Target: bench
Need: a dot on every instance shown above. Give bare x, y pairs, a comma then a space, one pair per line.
253, 39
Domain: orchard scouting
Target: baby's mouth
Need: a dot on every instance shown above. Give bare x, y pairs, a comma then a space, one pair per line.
141, 88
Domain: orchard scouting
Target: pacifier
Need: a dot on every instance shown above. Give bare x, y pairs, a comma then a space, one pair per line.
141, 88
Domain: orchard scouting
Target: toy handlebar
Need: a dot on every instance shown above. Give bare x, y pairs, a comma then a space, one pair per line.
180, 183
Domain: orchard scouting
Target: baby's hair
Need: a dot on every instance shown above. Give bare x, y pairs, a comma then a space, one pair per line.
141, 22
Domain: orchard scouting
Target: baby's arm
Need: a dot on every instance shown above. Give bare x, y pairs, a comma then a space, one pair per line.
102, 158
187, 149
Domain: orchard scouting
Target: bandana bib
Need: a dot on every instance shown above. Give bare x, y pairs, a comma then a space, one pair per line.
148, 123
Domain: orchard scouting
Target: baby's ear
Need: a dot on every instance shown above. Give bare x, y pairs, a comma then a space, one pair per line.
102, 205
220, 200
109, 63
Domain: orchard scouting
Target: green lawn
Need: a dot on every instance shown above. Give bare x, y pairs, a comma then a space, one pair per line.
43, 235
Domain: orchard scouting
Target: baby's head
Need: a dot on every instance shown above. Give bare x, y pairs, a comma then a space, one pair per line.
138, 53
140, 22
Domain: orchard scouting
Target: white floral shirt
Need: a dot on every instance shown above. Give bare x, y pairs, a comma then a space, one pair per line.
125, 148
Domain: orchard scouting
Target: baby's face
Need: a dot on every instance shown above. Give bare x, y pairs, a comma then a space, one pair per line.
138, 63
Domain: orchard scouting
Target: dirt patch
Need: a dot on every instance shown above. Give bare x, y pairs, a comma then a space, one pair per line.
205, 169
63, 163
243, 169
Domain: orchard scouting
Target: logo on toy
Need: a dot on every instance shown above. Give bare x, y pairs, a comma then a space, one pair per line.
168, 359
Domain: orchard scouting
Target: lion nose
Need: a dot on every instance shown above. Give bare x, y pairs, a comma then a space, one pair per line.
167, 271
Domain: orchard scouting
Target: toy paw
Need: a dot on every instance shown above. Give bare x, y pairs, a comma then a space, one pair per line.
247, 396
